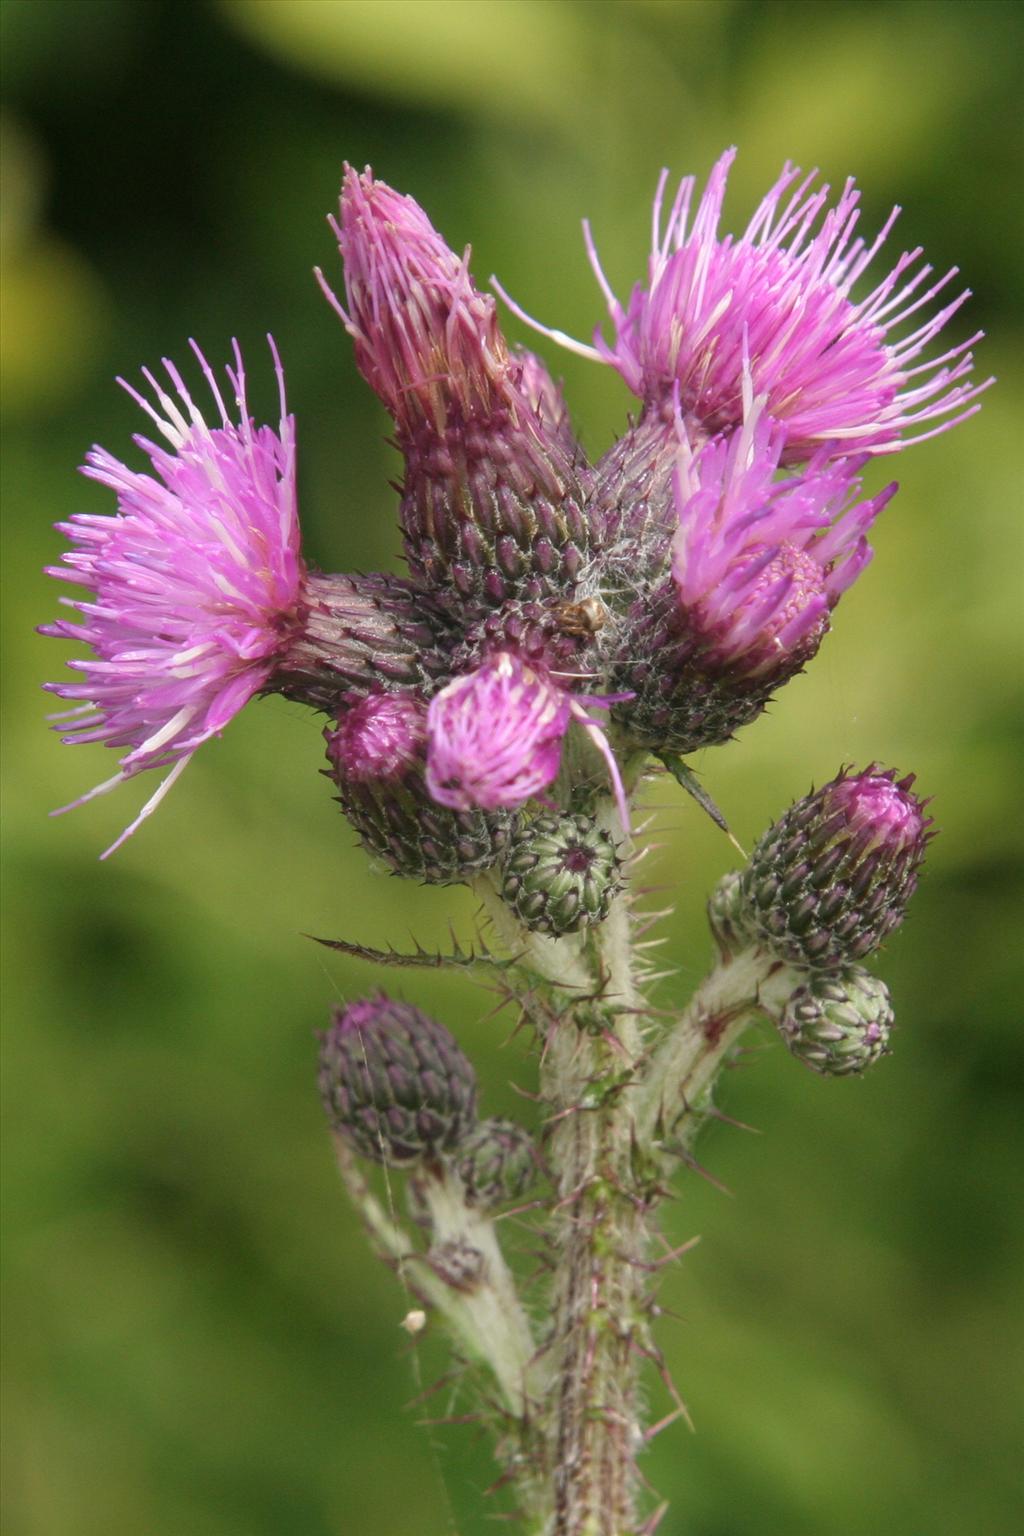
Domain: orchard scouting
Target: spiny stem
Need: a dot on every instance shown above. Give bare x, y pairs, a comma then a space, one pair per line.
600, 1235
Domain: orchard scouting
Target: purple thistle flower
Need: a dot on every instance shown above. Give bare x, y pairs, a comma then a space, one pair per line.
495, 735
194, 582
756, 565
832, 369
760, 563
491, 501
425, 339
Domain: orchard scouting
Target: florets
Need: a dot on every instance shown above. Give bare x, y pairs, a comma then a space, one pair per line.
759, 563
195, 582
495, 735
780, 299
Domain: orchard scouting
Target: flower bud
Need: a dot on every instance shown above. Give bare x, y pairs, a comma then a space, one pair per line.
560, 874
377, 753
394, 1083
832, 878
839, 1023
496, 1163
728, 916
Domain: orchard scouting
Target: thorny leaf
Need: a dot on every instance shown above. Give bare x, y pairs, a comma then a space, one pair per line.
687, 777
429, 959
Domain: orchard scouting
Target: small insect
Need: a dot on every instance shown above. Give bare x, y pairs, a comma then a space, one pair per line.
584, 618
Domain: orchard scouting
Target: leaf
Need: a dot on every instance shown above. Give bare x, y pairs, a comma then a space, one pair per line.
428, 959
687, 777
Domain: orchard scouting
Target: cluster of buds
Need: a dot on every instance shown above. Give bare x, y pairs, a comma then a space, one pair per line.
397, 1087
823, 889
652, 601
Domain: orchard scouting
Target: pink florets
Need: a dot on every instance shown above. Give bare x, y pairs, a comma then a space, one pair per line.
194, 582
779, 300
379, 738
495, 736
880, 808
759, 563
423, 334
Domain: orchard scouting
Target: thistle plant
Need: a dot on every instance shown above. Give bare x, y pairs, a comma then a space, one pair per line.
564, 630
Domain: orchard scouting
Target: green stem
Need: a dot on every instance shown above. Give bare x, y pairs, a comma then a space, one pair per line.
688, 1060
489, 1308
600, 1241
486, 1320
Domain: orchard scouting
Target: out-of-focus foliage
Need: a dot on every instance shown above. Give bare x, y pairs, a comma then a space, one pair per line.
197, 1339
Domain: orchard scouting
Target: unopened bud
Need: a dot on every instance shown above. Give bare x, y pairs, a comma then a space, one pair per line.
832, 878
394, 1082
561, 874
839, 1024
377, 753
496, 1163
727, 914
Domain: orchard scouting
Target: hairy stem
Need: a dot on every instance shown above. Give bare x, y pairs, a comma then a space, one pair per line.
688, 1060
486, 1320
488, 1302
601, 1239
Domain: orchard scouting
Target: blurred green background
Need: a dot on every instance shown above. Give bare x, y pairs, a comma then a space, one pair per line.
197, 1340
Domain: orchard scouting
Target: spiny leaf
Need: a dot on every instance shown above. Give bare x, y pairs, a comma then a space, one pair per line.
686, 776
429, 959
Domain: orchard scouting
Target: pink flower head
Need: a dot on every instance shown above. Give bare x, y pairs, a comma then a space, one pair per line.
831, 368
491, 501
759, 563
424, 337
494, 736
194, 582
379, 739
